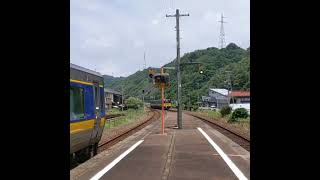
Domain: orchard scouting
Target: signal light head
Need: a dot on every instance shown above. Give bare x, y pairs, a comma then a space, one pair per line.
151, 73
200, 68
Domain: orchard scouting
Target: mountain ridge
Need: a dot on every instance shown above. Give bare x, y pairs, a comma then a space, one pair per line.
216, 64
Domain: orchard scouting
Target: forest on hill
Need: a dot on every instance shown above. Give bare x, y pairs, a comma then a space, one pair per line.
218, 65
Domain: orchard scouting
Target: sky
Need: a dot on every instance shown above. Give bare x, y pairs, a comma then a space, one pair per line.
111, 36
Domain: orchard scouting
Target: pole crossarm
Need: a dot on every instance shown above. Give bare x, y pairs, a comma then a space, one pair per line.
176, 15
181, 64
171, 68
190, 63
165, 67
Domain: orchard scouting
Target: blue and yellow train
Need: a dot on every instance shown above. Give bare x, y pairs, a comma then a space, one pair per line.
87, 112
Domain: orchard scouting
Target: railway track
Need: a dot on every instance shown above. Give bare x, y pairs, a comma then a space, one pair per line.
113, 116
107, 144
237, 137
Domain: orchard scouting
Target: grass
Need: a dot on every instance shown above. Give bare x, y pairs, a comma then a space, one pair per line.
130, 115
212, 114
114, 111
242, 123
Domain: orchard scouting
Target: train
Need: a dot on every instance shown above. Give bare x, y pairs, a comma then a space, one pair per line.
157, 104
87, 112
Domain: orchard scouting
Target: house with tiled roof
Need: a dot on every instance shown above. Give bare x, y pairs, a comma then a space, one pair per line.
222, 97
240, 97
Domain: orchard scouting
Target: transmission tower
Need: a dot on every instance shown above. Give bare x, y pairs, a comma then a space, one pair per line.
145, 62
222, 34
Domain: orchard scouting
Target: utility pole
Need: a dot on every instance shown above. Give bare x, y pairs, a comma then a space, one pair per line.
230, 83
162, 102
179, 117
122, 98
143, 99
222, 35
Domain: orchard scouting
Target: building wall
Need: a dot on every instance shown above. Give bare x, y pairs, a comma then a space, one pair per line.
218, 99
239, 100
207, 103
222, 102
109, 100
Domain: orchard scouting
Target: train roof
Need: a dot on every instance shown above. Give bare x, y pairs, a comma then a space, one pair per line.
85, 70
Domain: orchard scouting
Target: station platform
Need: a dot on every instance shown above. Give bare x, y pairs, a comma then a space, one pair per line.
195, 152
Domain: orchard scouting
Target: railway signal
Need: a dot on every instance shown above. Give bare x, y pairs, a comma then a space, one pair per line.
151, 73
200, 69
160, 80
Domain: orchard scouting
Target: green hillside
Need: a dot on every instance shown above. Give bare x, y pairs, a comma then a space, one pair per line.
194, 85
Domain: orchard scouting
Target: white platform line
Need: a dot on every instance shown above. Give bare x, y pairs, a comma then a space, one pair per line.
114, 162
232, 166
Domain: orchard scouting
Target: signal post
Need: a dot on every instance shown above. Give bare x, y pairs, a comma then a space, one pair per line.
160, 80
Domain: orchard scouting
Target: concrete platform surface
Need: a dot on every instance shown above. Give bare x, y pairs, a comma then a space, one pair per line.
179, 154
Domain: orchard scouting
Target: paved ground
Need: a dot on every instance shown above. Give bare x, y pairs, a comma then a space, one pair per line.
180, 154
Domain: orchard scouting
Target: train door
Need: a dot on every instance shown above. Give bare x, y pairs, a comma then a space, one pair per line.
102, 111
97, 108
77, 114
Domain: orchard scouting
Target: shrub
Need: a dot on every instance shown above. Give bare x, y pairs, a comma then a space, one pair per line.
239, 113
134, 103
225, 110
195, 108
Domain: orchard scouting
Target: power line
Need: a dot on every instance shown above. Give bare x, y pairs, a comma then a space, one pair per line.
166, 5
171, 4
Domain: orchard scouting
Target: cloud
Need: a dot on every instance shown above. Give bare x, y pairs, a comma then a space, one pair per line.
112, 36
138, 44
96, 43
210, 17
154, 21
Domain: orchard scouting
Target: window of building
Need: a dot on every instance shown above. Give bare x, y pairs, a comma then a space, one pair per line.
76, 103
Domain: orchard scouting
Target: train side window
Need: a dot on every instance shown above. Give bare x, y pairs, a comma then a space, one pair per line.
76, 103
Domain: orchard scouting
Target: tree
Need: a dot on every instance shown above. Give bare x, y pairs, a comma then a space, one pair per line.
215, 64
134, 103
